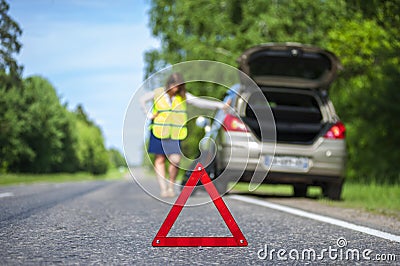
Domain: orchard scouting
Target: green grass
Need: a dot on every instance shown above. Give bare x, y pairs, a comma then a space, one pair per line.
277, 190
13, 179
382, 199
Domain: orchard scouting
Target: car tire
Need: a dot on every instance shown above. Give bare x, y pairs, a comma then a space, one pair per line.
300, 190
332, 190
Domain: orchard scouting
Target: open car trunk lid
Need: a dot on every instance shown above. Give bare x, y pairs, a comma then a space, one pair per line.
290, 65
297, 115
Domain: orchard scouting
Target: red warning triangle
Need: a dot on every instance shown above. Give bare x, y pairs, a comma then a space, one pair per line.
237, 239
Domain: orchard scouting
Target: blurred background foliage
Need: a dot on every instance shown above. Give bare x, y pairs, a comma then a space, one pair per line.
39, 134
365, 35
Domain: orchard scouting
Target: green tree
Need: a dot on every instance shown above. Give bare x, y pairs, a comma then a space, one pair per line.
12, 124
187, 32
116, 158
91, 152
37, 133
69, 161
44, 119
9, 46
366, 93
364, 34
32, 127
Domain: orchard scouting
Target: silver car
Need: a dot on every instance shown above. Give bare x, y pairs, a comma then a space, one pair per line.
309, 147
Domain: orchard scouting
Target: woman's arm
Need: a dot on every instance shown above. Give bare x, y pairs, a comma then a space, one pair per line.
145, 99
203, 103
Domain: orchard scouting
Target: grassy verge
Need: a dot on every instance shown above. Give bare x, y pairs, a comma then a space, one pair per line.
13, 179
382, 199
277, 190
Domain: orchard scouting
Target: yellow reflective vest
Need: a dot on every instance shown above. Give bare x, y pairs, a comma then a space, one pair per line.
171, 119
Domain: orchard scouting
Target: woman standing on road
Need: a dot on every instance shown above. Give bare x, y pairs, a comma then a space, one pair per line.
168, 126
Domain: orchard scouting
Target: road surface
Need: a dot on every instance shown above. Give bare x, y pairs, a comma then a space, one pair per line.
114, 222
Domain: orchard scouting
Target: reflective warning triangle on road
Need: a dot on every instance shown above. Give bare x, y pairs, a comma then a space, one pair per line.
236, 240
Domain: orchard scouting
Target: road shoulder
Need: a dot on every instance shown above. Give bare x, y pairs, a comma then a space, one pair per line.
390, 224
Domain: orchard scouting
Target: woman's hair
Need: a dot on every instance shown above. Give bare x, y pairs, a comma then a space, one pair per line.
176, 79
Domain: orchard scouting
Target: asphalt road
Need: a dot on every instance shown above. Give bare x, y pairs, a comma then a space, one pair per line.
115, 222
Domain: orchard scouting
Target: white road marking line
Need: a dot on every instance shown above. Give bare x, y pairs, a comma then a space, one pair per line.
318, 217
6, 194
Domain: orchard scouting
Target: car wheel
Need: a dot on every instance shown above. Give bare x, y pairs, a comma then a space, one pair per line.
333, 191
300, 190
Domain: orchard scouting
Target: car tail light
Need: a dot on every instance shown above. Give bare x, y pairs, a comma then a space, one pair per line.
232, 123
337, 131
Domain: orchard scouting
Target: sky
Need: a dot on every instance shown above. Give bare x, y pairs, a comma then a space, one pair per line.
92, 52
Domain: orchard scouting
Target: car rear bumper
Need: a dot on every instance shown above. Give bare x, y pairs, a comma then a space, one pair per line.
285, 178
242, 153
